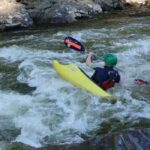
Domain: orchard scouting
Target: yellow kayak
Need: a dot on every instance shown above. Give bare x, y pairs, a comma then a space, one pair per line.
77, 77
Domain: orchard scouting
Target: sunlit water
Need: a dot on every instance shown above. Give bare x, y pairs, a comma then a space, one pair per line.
37, 107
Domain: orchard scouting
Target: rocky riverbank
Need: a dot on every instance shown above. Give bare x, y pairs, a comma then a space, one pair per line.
25, 13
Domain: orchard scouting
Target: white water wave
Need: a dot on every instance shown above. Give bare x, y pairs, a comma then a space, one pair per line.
57, 112
17, 53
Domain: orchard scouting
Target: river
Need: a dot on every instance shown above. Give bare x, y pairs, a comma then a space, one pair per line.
37, 107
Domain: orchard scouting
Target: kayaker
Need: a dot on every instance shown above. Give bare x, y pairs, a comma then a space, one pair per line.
141, 82
104, 77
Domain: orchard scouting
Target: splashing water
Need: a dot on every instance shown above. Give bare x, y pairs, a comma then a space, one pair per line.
57, 112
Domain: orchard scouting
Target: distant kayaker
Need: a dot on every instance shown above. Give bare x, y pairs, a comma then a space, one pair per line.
104, 77
141, 82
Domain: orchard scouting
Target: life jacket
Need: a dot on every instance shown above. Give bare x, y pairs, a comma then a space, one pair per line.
108, 84
111, 80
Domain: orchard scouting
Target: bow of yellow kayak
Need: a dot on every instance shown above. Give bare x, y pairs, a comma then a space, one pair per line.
74, 75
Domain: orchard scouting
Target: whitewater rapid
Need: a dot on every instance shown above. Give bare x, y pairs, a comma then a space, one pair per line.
56, 112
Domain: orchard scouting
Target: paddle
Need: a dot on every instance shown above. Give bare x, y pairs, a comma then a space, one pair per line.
74, 44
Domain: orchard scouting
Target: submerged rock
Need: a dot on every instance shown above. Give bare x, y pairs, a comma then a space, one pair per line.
133, 139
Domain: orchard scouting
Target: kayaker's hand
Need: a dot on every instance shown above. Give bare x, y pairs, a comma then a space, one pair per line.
91, 53
92, 56
90, 59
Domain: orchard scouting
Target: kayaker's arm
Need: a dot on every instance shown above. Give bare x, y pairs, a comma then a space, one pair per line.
89, 59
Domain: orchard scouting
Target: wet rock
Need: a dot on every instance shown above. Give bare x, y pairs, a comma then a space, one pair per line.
138, 2
110, 4
133, 139
66, 11
60, 11
13, 15
74, 11
19, 13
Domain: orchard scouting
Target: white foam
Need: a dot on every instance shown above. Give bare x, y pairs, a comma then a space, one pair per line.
17, 53
12, 103
56, 109
32, 127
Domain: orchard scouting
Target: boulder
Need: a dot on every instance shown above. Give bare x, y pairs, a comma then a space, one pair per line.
60, 11
138, 2
18, 13
13, 15
108, 5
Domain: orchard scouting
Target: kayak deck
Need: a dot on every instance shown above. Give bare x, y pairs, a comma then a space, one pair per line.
77, 77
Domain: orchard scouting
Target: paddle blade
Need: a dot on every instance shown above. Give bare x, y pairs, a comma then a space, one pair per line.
74, 44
